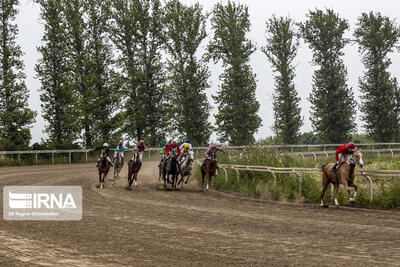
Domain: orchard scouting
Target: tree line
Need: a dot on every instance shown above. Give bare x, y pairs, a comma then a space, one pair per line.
113, 69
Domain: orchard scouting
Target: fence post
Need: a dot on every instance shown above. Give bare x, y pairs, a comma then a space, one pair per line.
149, 154
370, 185
70, 160
19, 158
391, 152
226, 174
237, 174
315, 156
36, 155
86, 157
52, 157
301, 154
300, 180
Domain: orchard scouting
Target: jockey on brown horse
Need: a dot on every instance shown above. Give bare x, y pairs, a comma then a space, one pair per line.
140, 147
344, 174
208, 152
341, 154
106, 151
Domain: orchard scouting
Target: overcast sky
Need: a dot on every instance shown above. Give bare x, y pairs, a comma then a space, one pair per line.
31, 31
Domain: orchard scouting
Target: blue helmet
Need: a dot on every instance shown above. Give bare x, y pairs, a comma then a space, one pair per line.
188, 140
166, 145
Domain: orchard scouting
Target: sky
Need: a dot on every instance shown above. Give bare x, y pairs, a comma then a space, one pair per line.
31, 32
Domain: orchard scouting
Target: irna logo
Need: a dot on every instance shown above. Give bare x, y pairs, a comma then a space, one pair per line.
41, 200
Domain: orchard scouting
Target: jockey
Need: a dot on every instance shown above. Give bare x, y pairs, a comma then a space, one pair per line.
185, 152
120, 148
162, 152
107, 151
341, 154
186, 142
172, 145
213, 145
141, 147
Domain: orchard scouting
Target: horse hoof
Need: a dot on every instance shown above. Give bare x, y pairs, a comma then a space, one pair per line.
98, 186
324, 206
136, 184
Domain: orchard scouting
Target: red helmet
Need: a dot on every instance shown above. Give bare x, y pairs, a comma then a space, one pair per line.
120, 144
141, 142
351, 145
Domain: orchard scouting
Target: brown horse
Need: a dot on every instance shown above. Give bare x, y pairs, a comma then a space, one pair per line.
133, 169
209, 169
104, 168
345, 175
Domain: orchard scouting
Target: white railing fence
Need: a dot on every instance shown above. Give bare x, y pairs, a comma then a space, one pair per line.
378, 148
299, 171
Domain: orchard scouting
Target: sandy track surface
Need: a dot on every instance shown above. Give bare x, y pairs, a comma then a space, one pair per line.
152, 227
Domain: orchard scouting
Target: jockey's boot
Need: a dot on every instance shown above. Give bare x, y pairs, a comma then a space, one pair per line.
334, 167
204, 162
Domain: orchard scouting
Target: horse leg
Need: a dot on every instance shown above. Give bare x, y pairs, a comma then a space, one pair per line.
202, 181
98, 186
129, 180
102, 180
352, 184
136, 174
208, 181
325, 183
346, 186
335, 193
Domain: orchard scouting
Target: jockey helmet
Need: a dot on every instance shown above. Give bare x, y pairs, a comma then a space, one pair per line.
120, 144
166, 145
351, 145
188, 140
187, 145
141, 142
105, 145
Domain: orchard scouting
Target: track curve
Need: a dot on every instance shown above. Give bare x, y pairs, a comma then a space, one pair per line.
150, 226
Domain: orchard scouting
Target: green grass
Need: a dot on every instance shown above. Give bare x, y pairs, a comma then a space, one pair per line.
386, 192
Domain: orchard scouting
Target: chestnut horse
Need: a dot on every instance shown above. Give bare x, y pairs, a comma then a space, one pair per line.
133, 169
209, 169
345, 175
104, 168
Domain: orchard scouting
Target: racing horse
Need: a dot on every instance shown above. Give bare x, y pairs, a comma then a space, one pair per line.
104, 168
133, 169
118, 164
171, 168
186, 169
345, 176
209, 169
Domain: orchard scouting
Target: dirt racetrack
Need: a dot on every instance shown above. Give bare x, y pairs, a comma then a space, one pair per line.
150, 227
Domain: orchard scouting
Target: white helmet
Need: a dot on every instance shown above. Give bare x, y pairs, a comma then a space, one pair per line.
105, 145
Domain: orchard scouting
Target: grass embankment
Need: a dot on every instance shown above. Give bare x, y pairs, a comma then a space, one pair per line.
386, 191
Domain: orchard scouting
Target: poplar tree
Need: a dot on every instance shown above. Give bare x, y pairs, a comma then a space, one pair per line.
281, 49
184, 32
15, 116
59, 99
103, 83
77, 40
136, 33
377, 36
237, 118
333, 106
